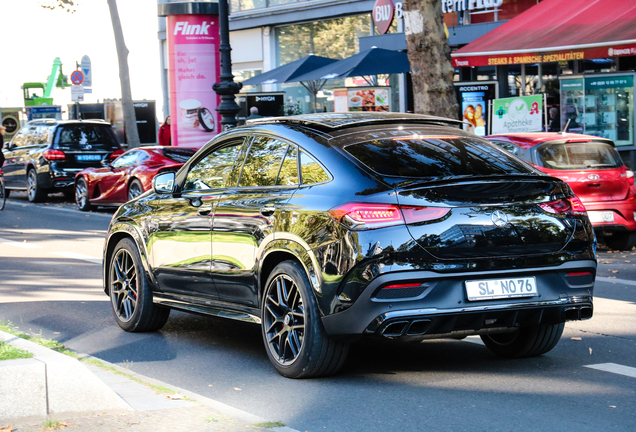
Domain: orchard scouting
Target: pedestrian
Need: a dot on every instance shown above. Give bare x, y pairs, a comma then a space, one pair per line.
2, 132
254, 114
164, 133
554, 123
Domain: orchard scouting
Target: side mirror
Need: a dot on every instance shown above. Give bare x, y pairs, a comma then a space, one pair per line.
163, 183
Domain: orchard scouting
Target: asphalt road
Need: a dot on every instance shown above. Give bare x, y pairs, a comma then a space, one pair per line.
50, 282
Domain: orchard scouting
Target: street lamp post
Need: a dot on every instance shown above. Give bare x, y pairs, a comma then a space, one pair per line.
226, 88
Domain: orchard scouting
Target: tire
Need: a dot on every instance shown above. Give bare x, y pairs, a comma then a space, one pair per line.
294, 338
135, 188
35, 192
130, 293
7, 192
81, 195
525, 342
621, 241
3, 194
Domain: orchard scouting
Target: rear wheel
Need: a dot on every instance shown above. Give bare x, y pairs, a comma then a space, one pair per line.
129, 290
81, 195
295, 340
525, 342
621, 241
35, 192
135, 189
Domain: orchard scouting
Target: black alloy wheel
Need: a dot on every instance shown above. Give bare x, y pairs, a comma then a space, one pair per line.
81, 195
527, 341
35, 193
296, 342
130, 295
135, 189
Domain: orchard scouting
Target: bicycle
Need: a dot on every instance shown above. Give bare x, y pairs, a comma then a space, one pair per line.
3, 194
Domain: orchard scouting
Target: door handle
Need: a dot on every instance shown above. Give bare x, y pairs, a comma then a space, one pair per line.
593, 185
268, 210
205, 210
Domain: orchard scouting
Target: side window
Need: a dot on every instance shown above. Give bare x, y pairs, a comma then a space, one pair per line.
288, 175
125, 160
45, 135
311, 171
213, 170
32, 135
263, 162
19, 138
509, 147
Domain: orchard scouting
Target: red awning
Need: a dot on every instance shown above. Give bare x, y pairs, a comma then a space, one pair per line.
556, 30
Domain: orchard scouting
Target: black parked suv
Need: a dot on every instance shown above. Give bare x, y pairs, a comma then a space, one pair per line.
45, 155
327, 227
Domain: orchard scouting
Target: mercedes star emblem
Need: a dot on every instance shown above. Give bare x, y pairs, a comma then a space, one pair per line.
499, 218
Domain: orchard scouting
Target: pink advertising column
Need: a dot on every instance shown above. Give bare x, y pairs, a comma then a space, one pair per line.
193, 67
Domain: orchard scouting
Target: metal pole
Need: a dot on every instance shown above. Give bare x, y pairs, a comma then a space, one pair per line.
226, 88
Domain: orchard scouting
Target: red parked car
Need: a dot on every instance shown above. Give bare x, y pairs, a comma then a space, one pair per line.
128, 176
595, 172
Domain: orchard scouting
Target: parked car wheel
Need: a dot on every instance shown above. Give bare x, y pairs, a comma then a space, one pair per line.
35, 193
81, 195
294, 337
525, 342
130, 295
135, 189
621, 242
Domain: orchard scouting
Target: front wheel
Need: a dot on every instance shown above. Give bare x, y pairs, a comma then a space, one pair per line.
295, 340
621, 241
81, 195
35, 192
130, 293
135, 189
525, 342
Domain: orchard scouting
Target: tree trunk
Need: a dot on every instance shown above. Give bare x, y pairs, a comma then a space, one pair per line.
429, 54
130, 120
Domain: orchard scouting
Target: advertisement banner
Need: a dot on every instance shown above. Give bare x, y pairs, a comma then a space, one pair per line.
473, 101
517, 115
194, 66
362, 99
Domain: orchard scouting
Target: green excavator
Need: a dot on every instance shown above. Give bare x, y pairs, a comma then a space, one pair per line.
56, 79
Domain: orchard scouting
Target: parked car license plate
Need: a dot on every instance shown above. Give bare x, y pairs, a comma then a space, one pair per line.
501, 288
601, 216
88, 157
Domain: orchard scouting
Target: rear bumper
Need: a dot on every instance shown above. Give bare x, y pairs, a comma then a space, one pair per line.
443, 309
623, 215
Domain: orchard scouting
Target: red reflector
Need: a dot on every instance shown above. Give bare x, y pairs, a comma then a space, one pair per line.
408, 285
51, 154
578, 140
580, 274
567, 206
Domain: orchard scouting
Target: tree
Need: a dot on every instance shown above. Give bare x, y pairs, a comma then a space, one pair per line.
130, 120
429, 54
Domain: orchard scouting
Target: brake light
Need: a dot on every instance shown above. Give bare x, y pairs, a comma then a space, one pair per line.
578, 140
406, 285
567, 207
116, 154
630, 177
51, 155
361, 216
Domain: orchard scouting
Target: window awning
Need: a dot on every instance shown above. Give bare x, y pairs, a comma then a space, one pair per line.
557, 30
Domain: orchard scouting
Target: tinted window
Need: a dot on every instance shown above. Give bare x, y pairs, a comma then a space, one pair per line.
288, 175
214, 169
176, 154
129, 158
509, 147
263, 162
86, 137
435, 157
573, 156
18, 139
311, 170
46, 134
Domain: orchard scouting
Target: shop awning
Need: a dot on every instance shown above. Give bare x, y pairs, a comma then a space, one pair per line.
557, 30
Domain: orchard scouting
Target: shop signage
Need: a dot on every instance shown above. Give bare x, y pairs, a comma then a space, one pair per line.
362, 99
11, 121
474, 99
520, 114
383, 12
449, 6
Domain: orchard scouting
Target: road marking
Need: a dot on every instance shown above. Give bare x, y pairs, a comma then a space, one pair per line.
614, 368
78, 256
612, 280
20, 245
77, 212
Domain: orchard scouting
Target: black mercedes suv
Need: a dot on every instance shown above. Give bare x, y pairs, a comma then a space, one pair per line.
328, 227
45, 155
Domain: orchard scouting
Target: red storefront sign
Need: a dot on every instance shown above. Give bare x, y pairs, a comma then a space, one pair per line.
383, 12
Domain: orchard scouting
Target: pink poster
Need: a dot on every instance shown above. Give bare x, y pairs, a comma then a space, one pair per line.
194, 66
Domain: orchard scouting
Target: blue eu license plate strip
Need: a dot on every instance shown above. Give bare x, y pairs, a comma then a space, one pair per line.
90, 157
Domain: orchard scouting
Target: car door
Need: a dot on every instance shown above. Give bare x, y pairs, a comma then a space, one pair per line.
23, 145
113, 181
247, 214
180, 226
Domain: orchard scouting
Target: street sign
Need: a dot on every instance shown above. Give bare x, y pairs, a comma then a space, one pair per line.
77, 77
77, 93
85, 67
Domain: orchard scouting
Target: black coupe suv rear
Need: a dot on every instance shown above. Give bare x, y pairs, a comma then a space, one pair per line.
323, 228
45, 155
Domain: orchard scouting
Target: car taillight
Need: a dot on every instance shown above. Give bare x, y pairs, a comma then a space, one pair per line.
630, 177
51, 154
571, 206
362, 216
116, 154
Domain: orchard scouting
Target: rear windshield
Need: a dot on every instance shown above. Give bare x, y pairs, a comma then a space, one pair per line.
577, 156
435, 157
86, 137
178, 154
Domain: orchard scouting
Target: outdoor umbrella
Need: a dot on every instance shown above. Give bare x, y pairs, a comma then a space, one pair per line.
290, 71
374, 61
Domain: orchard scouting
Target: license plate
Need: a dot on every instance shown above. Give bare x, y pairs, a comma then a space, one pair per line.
601, 216
501, 288
88, 157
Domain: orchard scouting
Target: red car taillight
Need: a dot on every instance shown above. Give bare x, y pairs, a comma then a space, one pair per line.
630, 177
361, 216
56, 155
566, 206
116, 154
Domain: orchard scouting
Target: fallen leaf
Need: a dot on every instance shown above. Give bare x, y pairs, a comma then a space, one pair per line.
237, 389
614, 271
576, 338
590, 351
611, 277
209, 385
612, 406
606, 262
7, 429
65, 424
132, 423
627, 261
175, 396
56, 332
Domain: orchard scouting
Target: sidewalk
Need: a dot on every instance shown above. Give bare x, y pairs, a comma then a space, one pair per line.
85, 397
